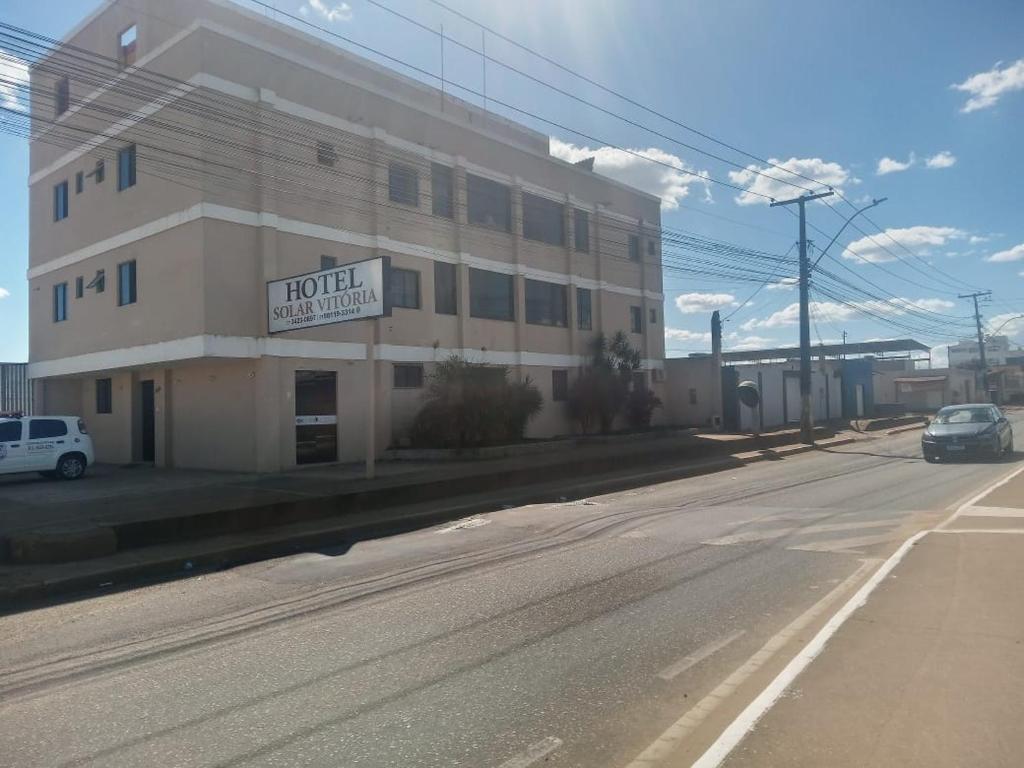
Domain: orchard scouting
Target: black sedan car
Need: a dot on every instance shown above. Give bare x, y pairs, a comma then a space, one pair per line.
957, 431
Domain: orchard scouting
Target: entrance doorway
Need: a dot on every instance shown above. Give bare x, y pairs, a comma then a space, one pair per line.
316, 417
148, 422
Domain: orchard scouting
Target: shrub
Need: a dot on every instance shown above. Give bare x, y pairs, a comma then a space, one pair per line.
606, 388
469, 405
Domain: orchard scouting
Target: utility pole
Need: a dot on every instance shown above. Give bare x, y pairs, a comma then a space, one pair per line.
981, 335
844, 345
806, 424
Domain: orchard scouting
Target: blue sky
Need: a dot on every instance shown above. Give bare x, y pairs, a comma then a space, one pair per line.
858, 95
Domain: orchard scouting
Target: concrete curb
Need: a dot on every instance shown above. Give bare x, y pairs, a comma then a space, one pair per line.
189, 557
907, 428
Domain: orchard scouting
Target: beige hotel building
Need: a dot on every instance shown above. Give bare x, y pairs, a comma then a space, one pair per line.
186, 154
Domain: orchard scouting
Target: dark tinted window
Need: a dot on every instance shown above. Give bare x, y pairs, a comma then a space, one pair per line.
326, 154
581, 222
491, 295
545, 303
39, 429
634, 248
403, 184
636, 320
62, 96
60, 302
446, 293
10, 431
442, 190
408, 376
104, 396
405, 288
653, 314
126, 167
79, 182
328, 262
490, 203
60, 201
584, 313
126, 283
543, 220
559, 386
79, 287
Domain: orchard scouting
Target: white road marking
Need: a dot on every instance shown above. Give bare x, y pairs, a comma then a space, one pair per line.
747, 719
992, 512
671, 738
777, 533
979, 530
845, 545
533, 753
674, 670
467, 522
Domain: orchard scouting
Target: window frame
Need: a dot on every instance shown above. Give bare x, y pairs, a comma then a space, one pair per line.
127, 54
127, 172
442, 198
548, 315
581, 223
481, 187
580, 326
652, 316
405, 368
79, 182
79, 287
651, 250
61, 95
543, 220
400, 271
636, 319
634, 247
60, 302
559, 385
404, 184
477, 308
328, 262
326, 154
61, 202
104, 395
127, 267
441, 301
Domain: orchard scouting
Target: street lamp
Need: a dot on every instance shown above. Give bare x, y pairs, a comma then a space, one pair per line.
879, 201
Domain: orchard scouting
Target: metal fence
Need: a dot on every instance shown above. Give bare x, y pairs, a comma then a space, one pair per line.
15, 388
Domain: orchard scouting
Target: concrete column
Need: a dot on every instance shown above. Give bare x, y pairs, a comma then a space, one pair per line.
520, 297
460, 214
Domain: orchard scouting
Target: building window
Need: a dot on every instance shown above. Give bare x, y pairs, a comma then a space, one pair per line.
446, 289
79, 182
328, 262
581, 230
326, 154
126, 168
653, 316
543, 220
127, 46
650, 248
60, 302
442, 190
636, 320
634, 248
693, 396
62, 96
408, 376
99, 282
405, 288
491, 295
104, 396
126, 283
60, 201
489, 203
403, 184
100, 172
79, 287
584, 313
559, 386
545, 303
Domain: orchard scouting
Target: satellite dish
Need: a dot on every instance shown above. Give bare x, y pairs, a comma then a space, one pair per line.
748, 394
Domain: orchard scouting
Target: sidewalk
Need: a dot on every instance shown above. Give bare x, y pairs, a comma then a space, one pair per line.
930, 671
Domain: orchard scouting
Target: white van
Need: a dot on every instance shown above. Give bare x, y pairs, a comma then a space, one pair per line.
54, 446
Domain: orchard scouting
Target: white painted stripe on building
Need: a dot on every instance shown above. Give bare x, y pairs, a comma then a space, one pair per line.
322, 232
251, 347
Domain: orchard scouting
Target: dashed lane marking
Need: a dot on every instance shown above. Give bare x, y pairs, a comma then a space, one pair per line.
533, 753
674, 670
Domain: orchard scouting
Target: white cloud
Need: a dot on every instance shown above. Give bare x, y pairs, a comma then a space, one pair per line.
340, 12
13, 82
785, 284
943, 159
4, 293
692, 303
888, 165
778, 187
687, 337
975, 239
918, 239
739, 343
833, 311
633, 169
986, 88
1011, 254
1006, 324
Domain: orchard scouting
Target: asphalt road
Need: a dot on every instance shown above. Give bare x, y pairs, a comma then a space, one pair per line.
564, 634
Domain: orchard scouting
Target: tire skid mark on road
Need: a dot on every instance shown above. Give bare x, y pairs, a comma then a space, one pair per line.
578, 534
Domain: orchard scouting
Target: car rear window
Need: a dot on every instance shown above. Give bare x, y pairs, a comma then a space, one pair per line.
43, 428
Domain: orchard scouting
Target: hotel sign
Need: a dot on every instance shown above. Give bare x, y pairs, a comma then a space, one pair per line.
355, 291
